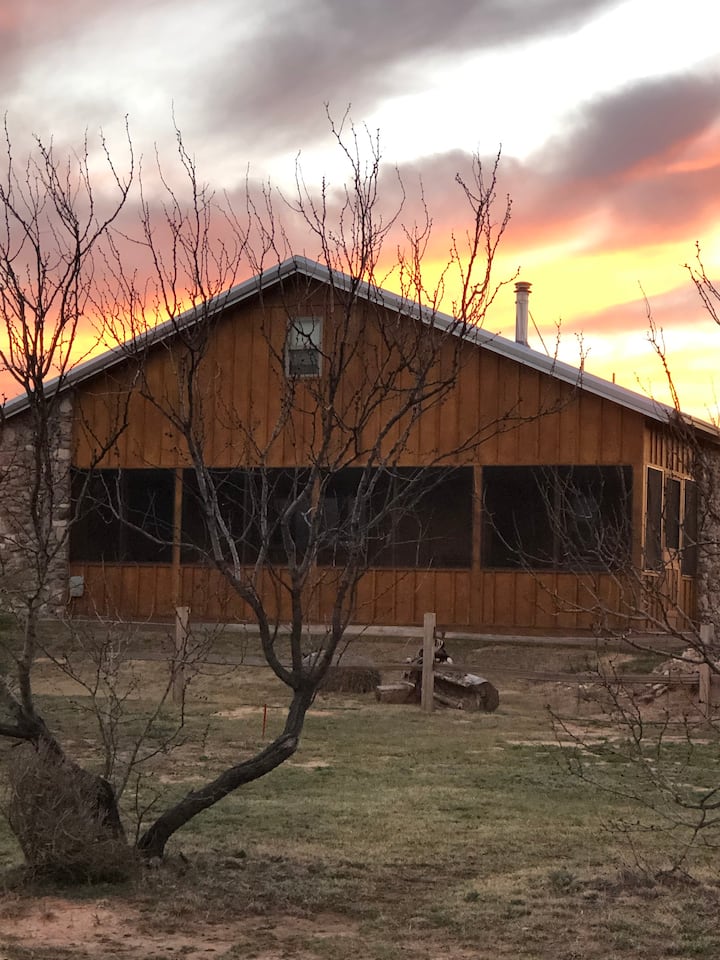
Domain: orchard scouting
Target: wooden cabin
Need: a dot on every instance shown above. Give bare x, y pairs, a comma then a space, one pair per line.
574, 506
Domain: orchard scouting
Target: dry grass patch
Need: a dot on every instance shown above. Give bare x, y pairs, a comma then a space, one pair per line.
390, 833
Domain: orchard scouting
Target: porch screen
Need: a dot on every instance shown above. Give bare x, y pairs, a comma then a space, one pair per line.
409, 517
400, 517
122, 516
689, 556
254, 505
572, 518
653, 518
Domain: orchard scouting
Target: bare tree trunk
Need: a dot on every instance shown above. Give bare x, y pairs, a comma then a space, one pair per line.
154, 840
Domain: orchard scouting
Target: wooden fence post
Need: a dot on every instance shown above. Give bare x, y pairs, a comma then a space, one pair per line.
705, 691
707, 635
182, 621
427, 698
705, 686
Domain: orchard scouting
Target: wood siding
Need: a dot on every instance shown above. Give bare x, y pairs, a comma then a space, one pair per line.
522, 416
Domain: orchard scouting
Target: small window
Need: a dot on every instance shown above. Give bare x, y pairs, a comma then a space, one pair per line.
672, 513
653, 519
304, 347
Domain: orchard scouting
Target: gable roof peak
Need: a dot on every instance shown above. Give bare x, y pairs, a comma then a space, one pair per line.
298, 264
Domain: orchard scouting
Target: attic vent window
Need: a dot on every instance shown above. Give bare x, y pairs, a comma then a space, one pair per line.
304, 347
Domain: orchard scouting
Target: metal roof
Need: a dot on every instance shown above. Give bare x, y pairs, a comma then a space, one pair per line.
298, 265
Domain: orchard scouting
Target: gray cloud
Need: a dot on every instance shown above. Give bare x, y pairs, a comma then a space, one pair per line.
248, 80
618, 178
619, 169
342, 51
34, 27
633, 125
261, 85
653, 207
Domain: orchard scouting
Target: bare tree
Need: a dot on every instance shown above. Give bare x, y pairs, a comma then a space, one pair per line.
351, 383
654, 675
54, 240
51, 228
353, 376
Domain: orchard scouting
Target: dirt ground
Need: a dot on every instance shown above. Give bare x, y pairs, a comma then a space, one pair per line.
54, 928
103, 929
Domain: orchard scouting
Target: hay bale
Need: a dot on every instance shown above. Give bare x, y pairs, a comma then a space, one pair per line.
358, 675
347, 674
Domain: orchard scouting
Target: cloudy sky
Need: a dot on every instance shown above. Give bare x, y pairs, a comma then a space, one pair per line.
607, 112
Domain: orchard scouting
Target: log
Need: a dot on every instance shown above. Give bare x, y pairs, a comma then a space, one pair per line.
451, 702
399, 692
473, 692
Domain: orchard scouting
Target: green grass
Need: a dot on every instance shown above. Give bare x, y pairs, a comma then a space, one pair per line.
392, 833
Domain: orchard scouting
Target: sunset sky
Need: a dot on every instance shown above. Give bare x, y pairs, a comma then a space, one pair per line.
607, 112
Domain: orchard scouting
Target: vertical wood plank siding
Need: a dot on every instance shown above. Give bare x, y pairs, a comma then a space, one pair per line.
524, 417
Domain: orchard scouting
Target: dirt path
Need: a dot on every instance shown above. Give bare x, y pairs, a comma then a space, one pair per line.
63, 929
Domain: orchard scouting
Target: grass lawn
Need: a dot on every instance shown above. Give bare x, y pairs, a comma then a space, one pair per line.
389, 834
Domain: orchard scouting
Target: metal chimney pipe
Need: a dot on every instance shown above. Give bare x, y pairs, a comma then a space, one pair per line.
522, 294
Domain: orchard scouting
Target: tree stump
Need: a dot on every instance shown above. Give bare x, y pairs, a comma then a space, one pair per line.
66, 819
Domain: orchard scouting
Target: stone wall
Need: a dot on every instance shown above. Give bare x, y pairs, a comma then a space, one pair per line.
708, 574
33, 557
